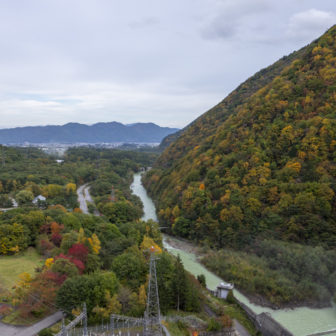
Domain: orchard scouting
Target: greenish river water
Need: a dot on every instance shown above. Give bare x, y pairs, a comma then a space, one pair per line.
300, 321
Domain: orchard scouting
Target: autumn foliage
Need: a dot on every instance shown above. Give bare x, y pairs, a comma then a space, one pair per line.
261, 163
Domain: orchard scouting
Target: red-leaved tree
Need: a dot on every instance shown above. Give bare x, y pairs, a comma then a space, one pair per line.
79, 251
56, 238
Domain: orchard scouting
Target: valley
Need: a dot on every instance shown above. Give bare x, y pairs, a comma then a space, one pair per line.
253, 179
300, 321
168, 168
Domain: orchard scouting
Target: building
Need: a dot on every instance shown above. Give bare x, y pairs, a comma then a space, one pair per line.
223, 290
39, 199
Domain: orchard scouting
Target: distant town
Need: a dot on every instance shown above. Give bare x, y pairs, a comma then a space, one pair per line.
60, 148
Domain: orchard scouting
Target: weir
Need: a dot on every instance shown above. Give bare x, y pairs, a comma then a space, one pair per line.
329, 332
265, 323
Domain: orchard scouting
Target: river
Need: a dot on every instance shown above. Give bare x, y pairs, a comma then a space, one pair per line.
300, 321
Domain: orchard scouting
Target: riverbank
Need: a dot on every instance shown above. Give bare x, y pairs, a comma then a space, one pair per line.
183, 245
299, 321
201, 252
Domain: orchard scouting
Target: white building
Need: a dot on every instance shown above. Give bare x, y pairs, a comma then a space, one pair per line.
39, 198
223, 289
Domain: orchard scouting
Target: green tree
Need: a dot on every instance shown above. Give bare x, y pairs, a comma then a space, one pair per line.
24, 197
120, 212
64, 267
131, 267
86, 288
68, 240
13, 238
179, 284
201, 279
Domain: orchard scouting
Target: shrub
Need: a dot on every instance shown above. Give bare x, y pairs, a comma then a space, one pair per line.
213, 325
45, 332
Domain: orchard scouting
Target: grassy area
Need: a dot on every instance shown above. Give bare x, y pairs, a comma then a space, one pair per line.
12, 266
233, 310
176, 329
15, 319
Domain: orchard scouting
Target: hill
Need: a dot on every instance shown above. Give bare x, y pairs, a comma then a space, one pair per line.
262, 162
76, 133
257, 173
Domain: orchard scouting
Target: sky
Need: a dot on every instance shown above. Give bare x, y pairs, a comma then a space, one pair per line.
130, 61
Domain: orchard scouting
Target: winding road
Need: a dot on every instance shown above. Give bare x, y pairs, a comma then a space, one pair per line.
84, 197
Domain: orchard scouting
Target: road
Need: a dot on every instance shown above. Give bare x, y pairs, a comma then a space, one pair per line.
83, 193
9, 330
15, 205
240, 329
45, 323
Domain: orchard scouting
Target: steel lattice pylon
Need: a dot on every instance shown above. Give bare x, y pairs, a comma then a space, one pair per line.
152, 313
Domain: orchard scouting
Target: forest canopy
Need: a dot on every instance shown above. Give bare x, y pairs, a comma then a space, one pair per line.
260, 166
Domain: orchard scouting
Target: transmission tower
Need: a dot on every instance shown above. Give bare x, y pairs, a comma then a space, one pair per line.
152, 313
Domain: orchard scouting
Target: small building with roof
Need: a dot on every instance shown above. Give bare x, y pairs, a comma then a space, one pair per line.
38, 199
223, 290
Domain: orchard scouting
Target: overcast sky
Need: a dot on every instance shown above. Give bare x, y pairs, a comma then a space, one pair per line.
141, 60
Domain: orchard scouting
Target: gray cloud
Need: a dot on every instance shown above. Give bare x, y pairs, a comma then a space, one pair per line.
220, 27
160, 61
146, 22
232, 16
304, 24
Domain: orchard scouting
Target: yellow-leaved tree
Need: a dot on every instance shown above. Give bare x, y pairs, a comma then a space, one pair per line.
81, 236
95, 243
49, 262
142, 297
148, 243
21, 287
70, 188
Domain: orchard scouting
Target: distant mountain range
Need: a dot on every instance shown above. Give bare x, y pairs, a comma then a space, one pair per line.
79, 133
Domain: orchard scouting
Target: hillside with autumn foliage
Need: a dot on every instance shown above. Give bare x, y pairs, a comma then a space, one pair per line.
261, 165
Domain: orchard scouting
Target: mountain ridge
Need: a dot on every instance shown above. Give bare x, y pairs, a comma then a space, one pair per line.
262, 161
75, 132
254, 180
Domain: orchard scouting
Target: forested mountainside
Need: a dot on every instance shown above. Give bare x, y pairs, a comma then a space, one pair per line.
262, 163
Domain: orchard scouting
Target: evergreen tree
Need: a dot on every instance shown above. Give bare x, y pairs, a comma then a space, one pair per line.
179, 284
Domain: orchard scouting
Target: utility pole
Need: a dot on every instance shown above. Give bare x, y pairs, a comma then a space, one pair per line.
85, 330
63, 330
152, 313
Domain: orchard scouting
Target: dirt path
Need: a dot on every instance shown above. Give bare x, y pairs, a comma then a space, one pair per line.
240, 329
